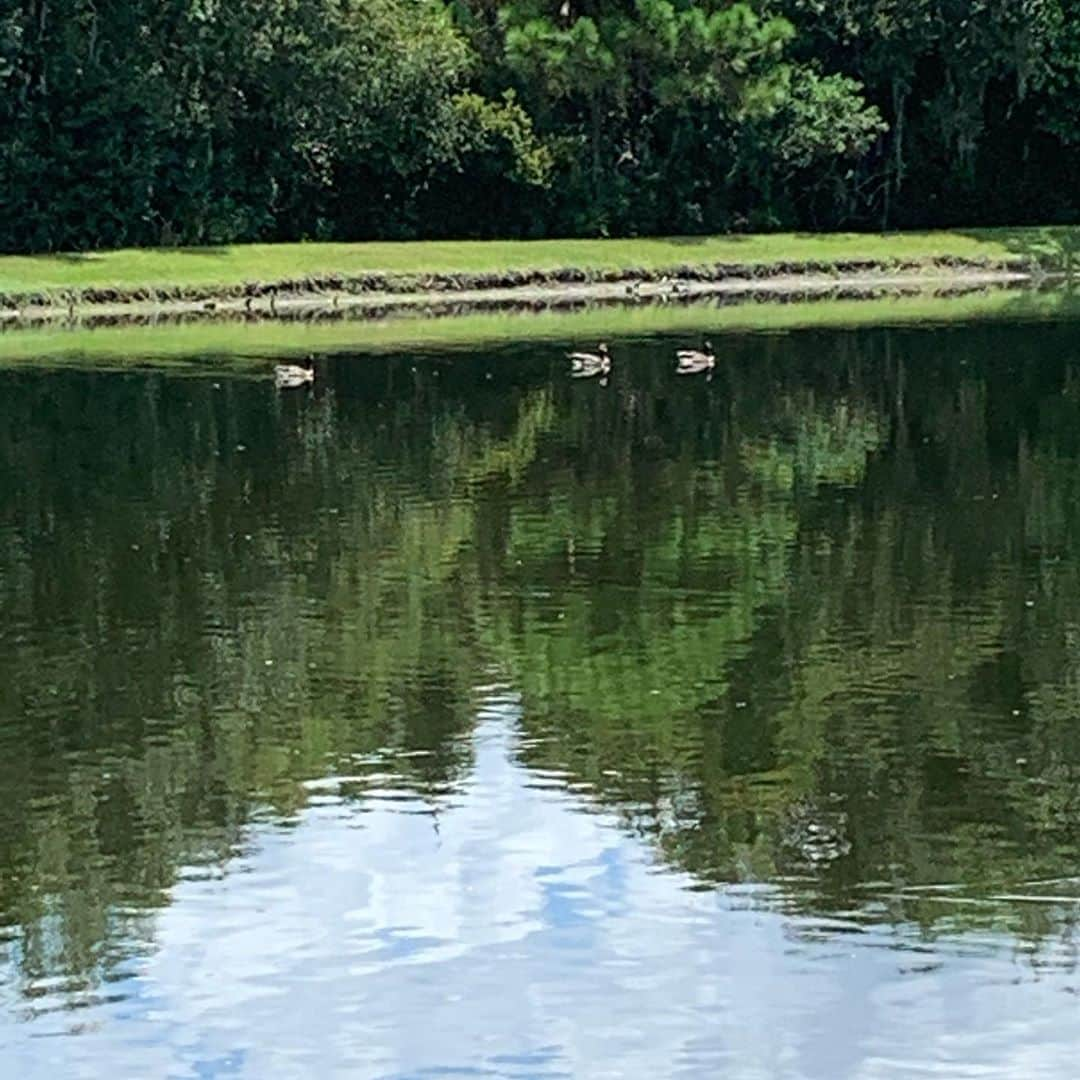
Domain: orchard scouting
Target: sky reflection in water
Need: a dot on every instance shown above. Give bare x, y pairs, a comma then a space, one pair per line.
439, 724
518, 933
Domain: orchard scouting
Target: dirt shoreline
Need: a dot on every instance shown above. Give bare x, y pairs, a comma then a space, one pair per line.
378, 295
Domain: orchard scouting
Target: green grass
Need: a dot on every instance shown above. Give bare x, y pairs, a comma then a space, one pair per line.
233, 266
210, 346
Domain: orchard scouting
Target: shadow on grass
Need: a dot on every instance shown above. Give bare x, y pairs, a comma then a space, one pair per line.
697, 241
1054, 248
73, 257
79, 258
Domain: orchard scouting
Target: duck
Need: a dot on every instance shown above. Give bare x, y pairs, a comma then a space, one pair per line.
584, 365
694, 361
287, 376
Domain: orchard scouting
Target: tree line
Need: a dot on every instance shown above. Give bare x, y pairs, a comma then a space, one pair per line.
172, 122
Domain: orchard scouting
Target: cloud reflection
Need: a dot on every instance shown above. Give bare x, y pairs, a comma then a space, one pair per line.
520, 933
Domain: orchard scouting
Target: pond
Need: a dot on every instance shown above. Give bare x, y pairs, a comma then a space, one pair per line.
455, 717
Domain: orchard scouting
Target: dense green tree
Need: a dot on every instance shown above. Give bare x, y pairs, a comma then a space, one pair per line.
195, 121
974, 93
672, 116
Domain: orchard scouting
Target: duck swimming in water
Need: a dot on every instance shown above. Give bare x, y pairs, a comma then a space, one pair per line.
694, 361
287, 376
584, 365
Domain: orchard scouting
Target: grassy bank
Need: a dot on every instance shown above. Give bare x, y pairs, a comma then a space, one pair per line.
205, 272
212, 346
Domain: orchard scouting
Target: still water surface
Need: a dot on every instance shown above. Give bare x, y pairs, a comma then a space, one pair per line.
455, 718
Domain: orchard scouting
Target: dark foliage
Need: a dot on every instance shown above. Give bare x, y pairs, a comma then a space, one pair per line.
195, 121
